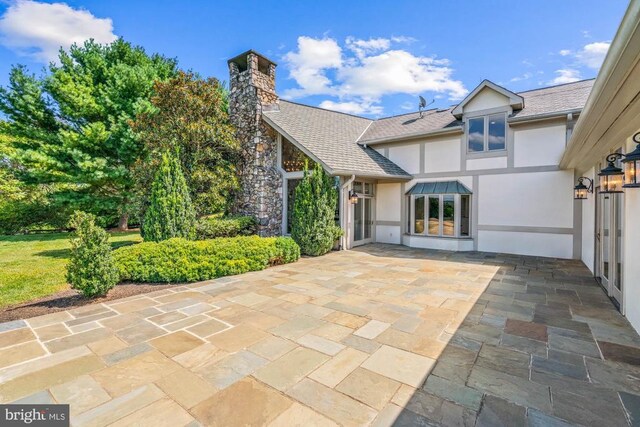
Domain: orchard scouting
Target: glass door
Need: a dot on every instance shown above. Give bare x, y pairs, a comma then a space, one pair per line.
363, 214
609, 244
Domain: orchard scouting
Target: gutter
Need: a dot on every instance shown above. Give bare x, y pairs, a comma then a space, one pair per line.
455, 129
544, 116
365, 175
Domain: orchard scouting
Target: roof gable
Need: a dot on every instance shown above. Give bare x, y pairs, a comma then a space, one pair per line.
515, 101
330, 137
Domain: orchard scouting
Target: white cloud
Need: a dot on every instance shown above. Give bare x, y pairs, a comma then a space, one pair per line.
309, 64
39, 29
565, 52
364, 47
352, 107
525, 76
592, 55
566, 75
365, 71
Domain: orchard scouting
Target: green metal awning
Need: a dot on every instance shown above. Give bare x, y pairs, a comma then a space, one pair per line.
442, 187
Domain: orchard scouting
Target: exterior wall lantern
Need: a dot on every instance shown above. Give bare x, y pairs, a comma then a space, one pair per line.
580, 191
611, 177
353, 197
631, 163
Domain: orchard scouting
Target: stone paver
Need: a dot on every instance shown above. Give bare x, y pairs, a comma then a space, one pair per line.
381, 335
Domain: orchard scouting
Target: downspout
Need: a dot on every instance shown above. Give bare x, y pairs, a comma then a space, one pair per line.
345, 213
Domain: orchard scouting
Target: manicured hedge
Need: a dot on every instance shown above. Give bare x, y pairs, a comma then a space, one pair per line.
179, 260
211, 227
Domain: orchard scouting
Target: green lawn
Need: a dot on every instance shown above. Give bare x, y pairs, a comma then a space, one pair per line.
33, 266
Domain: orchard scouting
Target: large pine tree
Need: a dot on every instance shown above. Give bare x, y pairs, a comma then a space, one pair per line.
71, 129
170, 213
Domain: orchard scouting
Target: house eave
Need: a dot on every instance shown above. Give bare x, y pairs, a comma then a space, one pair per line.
610, 114
361, 174
416, 135
544, 116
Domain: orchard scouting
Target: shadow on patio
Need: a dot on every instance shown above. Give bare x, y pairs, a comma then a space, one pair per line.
540, 345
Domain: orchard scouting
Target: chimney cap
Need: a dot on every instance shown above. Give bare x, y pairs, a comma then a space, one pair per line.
241, 59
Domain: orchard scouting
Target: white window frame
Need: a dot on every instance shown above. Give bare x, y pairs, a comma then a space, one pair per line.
486, 133
457, 216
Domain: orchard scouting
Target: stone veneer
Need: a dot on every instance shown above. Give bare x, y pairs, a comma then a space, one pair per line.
261, 182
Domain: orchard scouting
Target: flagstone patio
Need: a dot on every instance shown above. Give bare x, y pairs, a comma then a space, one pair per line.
380, 335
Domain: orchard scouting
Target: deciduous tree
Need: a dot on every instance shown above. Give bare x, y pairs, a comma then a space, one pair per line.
190, 113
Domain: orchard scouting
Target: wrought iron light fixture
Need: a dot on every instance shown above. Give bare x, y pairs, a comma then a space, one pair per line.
353, 197
631, 163
611, 177
580, 191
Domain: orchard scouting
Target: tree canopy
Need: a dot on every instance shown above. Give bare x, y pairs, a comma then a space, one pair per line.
190, 113
72, 126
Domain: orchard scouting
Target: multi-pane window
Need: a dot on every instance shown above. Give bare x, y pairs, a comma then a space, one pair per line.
487, 133
446, 215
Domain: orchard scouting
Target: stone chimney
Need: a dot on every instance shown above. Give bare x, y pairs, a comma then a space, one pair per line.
253, 90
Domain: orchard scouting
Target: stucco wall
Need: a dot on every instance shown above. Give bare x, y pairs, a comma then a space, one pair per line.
388, 202
523, 243
442, 155
588, 207
488, 163
539, 146
540, 199
486, 99
407, 157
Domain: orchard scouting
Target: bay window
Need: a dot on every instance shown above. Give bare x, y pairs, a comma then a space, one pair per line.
440, 215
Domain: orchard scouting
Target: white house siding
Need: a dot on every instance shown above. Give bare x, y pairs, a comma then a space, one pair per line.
388, 213
526, 213
440, 243
524, 243
588, 207
485, 100
538, 199
630, 264
487, 163
521, 203
407, 157
442, 155
539, 146
630, 250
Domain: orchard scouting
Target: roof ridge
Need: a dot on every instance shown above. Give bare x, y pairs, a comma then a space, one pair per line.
558, 85
413, 112
326, 109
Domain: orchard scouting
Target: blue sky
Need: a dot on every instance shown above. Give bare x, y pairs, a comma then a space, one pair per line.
364, 57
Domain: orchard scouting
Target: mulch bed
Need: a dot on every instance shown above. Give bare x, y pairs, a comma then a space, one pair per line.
69, 299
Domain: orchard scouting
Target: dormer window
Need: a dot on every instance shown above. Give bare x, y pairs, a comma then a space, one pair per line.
487, 133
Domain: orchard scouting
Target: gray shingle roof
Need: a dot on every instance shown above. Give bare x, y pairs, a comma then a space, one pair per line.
331, 137
410, 124
565, 97
336, 138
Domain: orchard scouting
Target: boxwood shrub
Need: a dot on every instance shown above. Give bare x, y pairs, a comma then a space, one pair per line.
179, 260
210, 227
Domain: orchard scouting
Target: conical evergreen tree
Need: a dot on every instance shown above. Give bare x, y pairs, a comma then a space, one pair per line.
313, 223
170, 212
